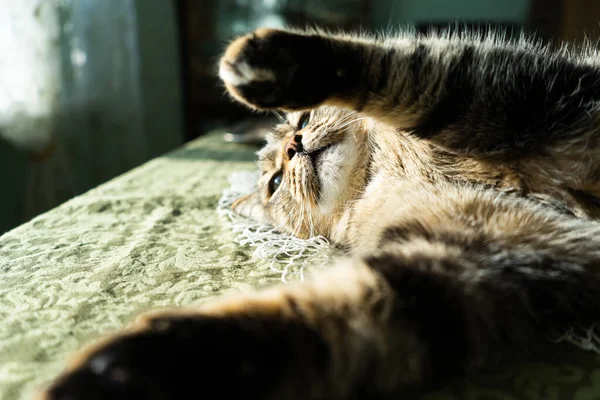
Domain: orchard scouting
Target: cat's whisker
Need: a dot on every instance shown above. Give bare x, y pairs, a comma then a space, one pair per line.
338, 124
282, 119
348, 123
345, 118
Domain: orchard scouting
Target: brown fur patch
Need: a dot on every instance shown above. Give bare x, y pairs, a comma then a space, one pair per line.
453, 192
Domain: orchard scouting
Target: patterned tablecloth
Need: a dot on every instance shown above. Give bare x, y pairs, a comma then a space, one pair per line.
152, 238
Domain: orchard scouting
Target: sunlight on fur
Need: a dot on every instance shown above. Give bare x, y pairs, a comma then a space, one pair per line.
291, 257
461, 176
295, 258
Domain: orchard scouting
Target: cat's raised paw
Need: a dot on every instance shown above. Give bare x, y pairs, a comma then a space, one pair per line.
275, 69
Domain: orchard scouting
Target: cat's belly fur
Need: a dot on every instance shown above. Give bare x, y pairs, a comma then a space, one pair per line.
412, 208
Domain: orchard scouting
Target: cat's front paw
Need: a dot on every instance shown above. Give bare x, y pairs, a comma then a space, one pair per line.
249, 355
275, 69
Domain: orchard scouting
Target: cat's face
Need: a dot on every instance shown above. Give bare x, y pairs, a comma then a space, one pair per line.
313, 165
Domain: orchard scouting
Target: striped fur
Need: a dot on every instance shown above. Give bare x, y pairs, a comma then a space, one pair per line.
460, 174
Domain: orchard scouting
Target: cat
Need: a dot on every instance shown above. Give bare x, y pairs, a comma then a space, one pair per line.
459, 174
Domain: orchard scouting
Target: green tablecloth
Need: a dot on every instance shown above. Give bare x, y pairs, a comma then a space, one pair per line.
152, 238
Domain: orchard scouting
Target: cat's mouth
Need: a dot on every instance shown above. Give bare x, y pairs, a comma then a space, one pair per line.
317, 155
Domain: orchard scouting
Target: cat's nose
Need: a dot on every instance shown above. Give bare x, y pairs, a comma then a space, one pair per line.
293, 146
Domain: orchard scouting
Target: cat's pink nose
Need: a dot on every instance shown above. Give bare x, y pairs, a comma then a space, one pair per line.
293, 146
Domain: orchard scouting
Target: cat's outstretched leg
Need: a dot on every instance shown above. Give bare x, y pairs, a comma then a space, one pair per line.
487, 96
531, 109
324, 340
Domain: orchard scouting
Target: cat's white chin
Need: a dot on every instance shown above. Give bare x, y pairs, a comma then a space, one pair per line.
334, 168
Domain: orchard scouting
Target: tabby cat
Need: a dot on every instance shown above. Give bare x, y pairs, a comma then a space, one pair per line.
460, 174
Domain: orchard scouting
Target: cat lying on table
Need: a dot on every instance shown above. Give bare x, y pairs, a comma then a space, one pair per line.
461, 176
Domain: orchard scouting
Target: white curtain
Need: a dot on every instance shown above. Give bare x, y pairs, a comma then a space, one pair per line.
29, 72
70, 95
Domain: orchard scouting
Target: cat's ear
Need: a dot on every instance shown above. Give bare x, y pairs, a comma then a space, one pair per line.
250, 206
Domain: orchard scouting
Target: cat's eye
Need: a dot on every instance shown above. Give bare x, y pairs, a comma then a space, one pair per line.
275, 182
304, 120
